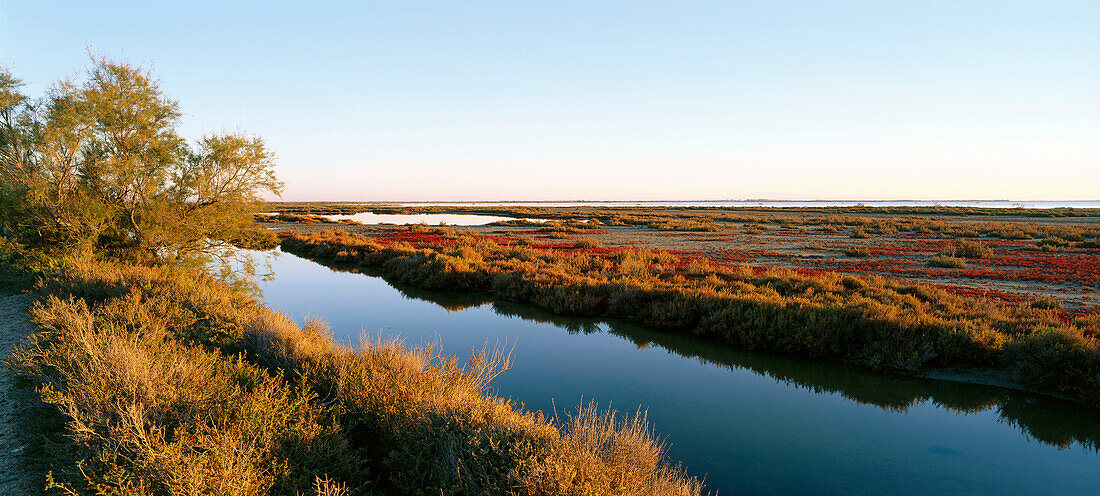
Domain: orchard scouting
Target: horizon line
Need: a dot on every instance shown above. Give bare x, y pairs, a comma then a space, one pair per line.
748, 200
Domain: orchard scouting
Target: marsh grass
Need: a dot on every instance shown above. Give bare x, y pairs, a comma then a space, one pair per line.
587, 244
1046, 303
950, 222
173, 383
148, 413
947, 262
970, 249
879, 323
689, 224
255, 239
301, 219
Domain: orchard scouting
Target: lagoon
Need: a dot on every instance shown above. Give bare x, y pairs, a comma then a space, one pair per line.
430, 219
752, 423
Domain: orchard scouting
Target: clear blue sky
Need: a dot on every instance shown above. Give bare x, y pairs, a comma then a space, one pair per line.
616, 100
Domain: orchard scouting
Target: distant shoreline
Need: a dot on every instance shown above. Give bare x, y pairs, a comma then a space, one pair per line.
1006, 204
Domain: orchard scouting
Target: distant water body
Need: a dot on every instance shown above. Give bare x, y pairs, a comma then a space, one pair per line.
786, 204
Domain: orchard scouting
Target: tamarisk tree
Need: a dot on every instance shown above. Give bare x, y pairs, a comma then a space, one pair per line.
99, 166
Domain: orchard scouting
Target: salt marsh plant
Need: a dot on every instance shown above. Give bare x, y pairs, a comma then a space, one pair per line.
173, 383
883, 324
971, 250
947, 262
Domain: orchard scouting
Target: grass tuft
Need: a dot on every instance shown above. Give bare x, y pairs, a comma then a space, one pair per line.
971, 250
587, 244
947, 262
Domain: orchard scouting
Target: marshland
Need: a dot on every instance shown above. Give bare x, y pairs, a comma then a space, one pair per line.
567, 248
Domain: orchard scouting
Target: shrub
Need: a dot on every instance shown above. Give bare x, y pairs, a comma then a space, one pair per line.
852, 283
127, 184
947, 262
857, 253
1046, 303
587, 244
971, 250
256, 239
704, 225
1053, 241
1057, 360
517, 223
149, 413
1053, 244
175, 384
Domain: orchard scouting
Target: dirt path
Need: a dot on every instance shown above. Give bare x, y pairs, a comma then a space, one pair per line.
13, 327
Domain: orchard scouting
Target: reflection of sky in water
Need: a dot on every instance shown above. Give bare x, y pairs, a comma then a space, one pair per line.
430, 219
792, 204
754, 423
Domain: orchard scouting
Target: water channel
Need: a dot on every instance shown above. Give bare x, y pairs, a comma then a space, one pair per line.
752, 423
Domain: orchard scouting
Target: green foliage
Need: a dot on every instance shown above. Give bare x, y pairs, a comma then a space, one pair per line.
10, 251
99, 166
255, 239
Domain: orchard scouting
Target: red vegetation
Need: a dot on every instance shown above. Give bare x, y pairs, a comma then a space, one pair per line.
973, 292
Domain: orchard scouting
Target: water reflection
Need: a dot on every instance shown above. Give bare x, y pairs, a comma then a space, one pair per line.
752, 423
430, 219
1051, 421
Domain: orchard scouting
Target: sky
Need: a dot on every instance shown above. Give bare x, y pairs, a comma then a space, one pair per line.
562, 100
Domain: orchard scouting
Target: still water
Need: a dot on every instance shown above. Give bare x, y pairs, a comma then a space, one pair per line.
751, 423
789, 203
430, 219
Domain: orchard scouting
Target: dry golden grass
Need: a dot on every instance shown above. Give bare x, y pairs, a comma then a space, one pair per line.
439, 416
151, 415
171, 383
